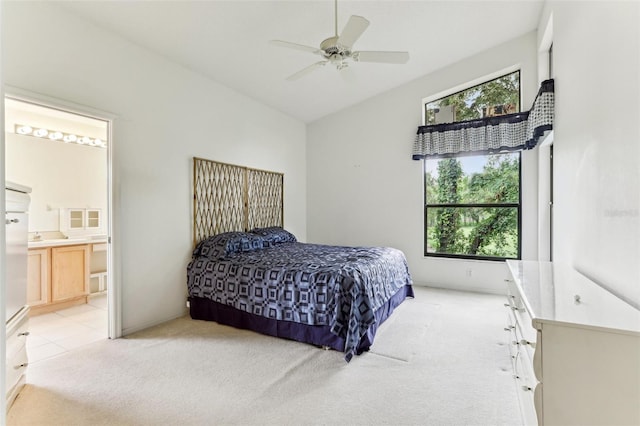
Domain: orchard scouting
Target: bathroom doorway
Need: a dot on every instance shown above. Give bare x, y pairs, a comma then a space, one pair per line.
62, 154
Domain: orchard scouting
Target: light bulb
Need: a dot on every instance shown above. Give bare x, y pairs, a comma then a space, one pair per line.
54, 136
70, 138
84, 140
41, 133
24, 130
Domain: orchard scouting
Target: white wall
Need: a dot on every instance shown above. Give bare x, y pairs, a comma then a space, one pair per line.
596, 49
60, 176
364, 189
166, 114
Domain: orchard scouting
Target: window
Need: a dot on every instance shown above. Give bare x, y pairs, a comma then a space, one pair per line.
499, 96
472, 201
473, 206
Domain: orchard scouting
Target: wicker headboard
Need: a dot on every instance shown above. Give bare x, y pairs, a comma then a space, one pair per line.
228, 198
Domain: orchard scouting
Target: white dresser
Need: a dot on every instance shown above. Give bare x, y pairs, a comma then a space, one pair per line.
16, 321
575, 348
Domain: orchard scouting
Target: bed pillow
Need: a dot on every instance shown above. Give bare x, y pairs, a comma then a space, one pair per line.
222, 245
275, 235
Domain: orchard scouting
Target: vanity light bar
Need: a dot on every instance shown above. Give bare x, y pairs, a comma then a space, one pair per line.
56, 135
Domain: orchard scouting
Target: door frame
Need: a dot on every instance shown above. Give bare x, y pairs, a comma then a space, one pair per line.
114, 286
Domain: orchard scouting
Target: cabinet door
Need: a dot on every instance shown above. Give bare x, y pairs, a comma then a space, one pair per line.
38, 277
93, 219
69, 272
76, 219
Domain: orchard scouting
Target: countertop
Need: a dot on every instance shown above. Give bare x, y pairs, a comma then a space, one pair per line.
558, 293
89, 239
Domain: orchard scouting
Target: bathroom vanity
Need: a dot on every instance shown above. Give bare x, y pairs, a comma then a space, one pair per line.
60, 271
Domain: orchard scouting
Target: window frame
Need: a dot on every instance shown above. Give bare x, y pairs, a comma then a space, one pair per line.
473, 86
517, 206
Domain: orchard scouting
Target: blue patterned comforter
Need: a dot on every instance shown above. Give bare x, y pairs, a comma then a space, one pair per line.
313, 284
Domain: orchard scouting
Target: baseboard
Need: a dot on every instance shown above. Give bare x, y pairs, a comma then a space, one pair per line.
131, 330
462, 287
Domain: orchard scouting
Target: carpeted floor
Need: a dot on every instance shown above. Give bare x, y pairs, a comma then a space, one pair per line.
441, 359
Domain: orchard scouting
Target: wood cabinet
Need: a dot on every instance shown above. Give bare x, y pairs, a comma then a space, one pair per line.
69, 272
98, 269
38, 277
575, 348
58, 277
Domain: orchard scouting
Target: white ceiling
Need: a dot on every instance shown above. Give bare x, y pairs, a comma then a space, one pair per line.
227, 41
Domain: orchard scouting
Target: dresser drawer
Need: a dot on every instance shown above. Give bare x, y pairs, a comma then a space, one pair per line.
521, 316
521, 333
16, 352
526, 387
16, 367
17, 339
525, 344
526, 329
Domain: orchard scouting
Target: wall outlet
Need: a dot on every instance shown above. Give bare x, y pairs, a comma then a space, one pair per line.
188, 304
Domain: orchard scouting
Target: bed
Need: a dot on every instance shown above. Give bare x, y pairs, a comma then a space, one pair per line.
325, 295
248, 272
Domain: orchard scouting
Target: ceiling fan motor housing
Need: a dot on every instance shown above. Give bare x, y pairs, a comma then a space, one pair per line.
332, 47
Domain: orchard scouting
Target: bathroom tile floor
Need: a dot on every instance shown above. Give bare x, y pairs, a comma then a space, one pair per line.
61, 331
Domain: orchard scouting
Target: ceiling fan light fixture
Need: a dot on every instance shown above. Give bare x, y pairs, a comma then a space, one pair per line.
338, 48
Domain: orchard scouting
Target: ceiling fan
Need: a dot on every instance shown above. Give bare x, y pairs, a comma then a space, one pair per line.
337, 51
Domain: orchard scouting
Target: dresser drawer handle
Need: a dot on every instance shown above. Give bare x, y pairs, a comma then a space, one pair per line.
19, 366
527, 389
509, 328
526, 342
508, 305
25, 334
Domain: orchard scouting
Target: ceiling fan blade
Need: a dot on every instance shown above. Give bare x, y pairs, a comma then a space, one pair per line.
382, 57
296, 46
353, 30
306, 70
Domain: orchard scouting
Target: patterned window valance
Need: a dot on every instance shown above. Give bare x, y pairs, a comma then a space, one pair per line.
522, 130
